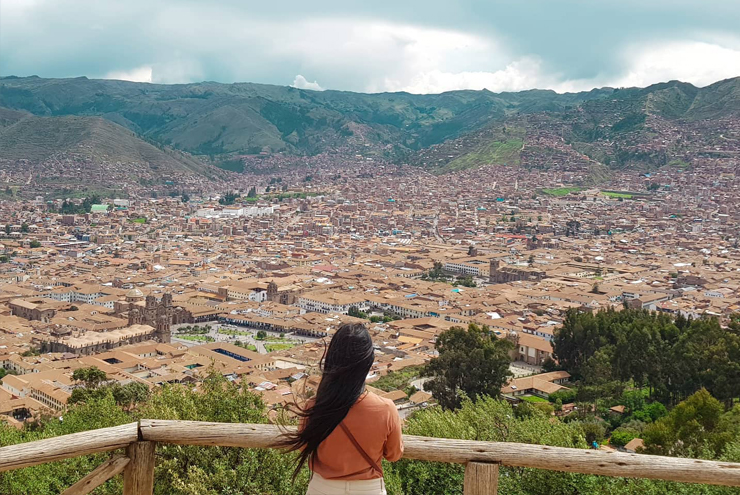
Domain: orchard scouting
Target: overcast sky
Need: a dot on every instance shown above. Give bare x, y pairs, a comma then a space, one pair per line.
381, 45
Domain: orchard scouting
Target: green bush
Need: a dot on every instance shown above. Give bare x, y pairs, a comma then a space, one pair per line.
565, 396
622, 436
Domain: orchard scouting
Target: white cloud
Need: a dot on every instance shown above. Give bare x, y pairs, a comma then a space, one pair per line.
516, 76
180, 42
696, 62
139, 74
385, 56
300, 82
178, 69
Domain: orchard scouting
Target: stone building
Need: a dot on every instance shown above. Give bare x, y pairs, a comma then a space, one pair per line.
286, 297
32, 310
67, 339
513, 273
160, 314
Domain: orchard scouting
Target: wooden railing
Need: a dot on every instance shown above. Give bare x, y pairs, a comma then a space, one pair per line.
481, 459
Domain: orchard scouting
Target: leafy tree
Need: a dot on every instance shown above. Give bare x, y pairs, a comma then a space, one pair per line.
24, 228
7, 229
622, 436
650, 412
471, 363
261, 335
466, 281
130, 394
181, 470
566, 396
708, 356
650, 349
437, 273
593, 431
228, 198
398, 380
692, 426
528, 409
549, 365
492, 420
633, 400
355, 312
185, 198
35, 244
90, 377
252, 192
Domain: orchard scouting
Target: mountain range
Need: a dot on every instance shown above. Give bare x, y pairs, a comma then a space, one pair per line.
189, 127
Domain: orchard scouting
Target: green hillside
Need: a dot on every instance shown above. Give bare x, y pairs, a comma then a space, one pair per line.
503, 149
716, 101
597, 130
212, 119
94, 138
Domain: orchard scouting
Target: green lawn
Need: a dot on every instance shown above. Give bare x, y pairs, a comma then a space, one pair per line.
533, 398
612, 194
137, 220
561, 191
272, 339
278, 347
249, 347
234, 333
197, 338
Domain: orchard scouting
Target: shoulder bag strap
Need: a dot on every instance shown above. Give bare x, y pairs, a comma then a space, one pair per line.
359, 448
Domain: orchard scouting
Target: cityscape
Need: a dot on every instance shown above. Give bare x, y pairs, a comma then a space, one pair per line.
154, 290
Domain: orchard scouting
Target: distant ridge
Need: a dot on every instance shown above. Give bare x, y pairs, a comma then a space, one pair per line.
213, 119
449, 131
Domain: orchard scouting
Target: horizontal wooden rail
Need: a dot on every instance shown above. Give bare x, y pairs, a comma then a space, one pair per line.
463, 451
140, 440
54, 449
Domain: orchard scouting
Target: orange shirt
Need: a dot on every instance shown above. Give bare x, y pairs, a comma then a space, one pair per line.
375, 424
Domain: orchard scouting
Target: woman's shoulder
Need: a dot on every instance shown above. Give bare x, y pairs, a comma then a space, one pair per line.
375, 401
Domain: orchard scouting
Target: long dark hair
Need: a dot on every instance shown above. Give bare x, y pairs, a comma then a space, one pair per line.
345, 366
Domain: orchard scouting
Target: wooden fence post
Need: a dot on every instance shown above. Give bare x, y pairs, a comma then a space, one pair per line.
138, 477
481, 478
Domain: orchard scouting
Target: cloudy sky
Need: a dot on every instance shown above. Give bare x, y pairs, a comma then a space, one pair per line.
381, 45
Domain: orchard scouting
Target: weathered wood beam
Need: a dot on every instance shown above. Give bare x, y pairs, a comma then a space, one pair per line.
110, 468
53, 449
138, 477
464, 451
481, 478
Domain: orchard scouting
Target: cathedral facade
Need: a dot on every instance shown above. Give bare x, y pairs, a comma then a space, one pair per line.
160, 314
